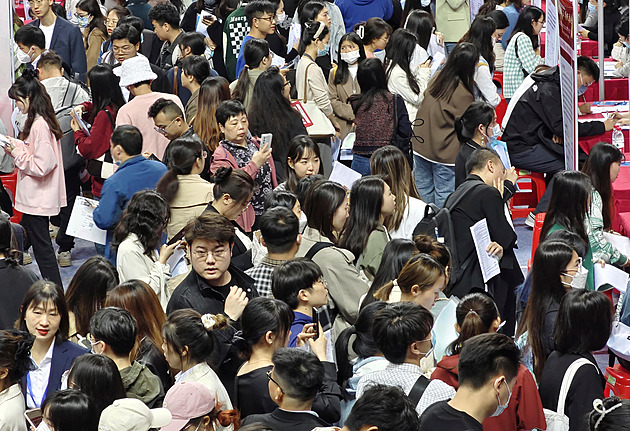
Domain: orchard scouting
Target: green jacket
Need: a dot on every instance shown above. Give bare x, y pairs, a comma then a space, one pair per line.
142, 384
234, 31
370, 260
587, 260
452, 18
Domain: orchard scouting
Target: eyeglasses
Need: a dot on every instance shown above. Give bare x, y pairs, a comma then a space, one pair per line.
218, 254
270, 18
111, 21
277, 384
162, 129
125, 48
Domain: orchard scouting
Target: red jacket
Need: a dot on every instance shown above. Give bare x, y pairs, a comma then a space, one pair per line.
524, 412
97, 144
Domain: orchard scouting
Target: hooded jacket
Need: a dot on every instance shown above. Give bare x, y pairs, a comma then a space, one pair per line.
356, 11
536, 116
142, 384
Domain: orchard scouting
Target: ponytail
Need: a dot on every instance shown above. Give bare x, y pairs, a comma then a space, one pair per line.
228, 417
344, 366
311, 31
421, 270
254, 52
382, 294
475, 314
182, 156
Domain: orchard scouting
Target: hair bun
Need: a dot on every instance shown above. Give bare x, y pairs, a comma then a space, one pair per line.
30, 74
222, 175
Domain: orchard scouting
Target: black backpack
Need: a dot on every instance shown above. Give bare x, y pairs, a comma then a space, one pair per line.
437, 224
70, 155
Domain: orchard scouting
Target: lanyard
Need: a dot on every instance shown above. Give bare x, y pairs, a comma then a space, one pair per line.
30, 391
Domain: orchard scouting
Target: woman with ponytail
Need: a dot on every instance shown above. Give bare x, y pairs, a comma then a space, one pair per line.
266, 324
477, 314
137, 238
182, 186
194, 405
421, 281
15, 362
257, 60
41, 188
369, 359
190, 341
16, 279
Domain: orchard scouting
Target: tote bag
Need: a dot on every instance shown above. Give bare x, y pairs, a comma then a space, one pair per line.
558, 421
316, 122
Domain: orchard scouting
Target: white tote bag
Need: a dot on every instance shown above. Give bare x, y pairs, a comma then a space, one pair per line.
317, 123
558, 421
619, 341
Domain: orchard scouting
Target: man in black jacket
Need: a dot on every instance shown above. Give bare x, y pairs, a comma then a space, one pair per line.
532, 126
484, 191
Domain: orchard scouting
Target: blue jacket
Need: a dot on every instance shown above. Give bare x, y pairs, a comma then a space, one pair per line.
356, 11
67, 41
63, 356
135, 174
512, 15
299, 321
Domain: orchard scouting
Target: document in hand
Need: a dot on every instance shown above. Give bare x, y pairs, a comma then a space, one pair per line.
612, 275
344, 175
481, 238
81, 223
621, 243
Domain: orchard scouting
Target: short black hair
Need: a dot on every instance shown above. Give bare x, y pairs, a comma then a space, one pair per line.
385, 407
30, 35
196, 42
228, 109
134, 21
579, 306
280, 198
397, 326
196, 66
165, 13
479, 158
170, 109
279, 227
128, 137
486, 355
299, 373
256, 8
50, 59
115, 327
126, 31
587, 66
293, 276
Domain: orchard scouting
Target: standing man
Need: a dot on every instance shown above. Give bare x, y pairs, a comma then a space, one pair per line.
61, 36
165, 20
261, 19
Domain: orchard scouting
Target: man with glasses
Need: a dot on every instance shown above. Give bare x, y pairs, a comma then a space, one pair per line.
261, 18
61, 36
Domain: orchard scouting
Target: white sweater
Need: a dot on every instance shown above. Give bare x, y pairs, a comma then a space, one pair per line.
399, 84
485, 89
316, 85
622, 54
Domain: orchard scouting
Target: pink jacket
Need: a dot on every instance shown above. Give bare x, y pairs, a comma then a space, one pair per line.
41, 188
223, 158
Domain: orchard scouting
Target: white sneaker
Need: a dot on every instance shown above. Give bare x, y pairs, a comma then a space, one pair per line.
64, 258
27, 258
530, 221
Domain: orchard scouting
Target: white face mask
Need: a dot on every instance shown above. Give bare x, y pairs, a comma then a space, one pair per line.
22, 56
501, 407
350, 57
281, 17
579, 279
427, 363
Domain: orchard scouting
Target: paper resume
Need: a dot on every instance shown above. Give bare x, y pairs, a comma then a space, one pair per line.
612, 275
344, 175
177, 263
481, 238
81, 224
621, 243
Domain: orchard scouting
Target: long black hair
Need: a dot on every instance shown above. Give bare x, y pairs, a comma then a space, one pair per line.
6, 241
398, 53
597, 167
570, 203
15, 349
524, 24
146, 215
363, 345
480, 35
421, 23
322, 200
477, 113
254, 52
460, 67
270, 111
104, 89
298, 148
308, 10
309, 30
71, 410
342, 74
366, 200
183, 154
92, 7
372, 80
412, 6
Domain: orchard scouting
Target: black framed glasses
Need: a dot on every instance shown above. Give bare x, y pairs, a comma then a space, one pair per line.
277, 384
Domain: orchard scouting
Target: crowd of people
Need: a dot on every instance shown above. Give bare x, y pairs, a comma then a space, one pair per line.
238, 287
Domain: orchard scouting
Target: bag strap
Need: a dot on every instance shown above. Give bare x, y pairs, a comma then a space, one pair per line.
316, 248
306, 80
418, 389
516, 54
175, 80
463, 192
567, 380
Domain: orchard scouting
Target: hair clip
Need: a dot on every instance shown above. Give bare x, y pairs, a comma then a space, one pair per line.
395, 282
598, 406
360, 31
208, 321
472, 311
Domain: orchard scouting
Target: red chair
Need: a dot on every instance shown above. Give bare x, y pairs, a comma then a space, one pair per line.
498, 77
538, 224
617, 382
531, 188
9, 182
500, 110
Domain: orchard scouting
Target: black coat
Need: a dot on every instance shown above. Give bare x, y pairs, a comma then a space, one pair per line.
15, 282
588, 385
282, 420
611, 20
537, 116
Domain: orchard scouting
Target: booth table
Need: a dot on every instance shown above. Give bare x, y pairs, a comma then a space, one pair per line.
621, 191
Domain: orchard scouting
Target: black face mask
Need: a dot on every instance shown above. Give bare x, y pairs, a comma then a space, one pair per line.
209, 4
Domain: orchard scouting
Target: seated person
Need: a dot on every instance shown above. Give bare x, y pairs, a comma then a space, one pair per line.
279, 234
488, 366
532, 126
382, 408
404, 344
620, 51
294, 381
300, 284
113, 334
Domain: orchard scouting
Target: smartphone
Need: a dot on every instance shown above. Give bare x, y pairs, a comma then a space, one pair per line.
266, 138
4, 141
430, 58
316, 322
177, 237
34, 417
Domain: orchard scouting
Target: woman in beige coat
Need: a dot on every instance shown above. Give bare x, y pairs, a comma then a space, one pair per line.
92, 25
